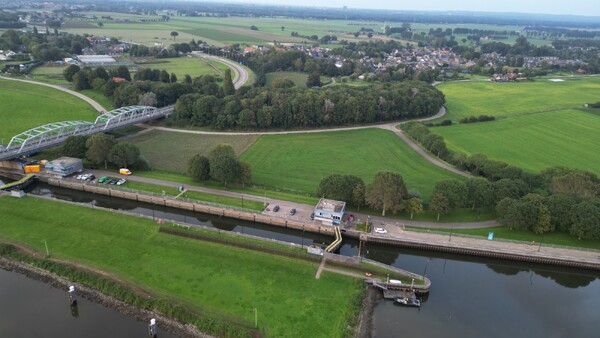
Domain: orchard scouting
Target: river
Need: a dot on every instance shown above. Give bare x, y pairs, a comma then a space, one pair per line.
470, 297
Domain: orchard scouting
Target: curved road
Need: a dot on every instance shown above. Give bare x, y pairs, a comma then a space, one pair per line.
240, 74
93, 103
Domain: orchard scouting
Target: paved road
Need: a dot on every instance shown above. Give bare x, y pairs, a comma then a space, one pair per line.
93, 103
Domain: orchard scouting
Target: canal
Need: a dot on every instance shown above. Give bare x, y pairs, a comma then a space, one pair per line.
470, 297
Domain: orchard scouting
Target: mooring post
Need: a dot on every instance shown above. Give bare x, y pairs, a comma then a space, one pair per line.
152, 328
72, 295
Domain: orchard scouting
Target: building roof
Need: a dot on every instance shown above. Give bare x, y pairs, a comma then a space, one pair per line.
64, 161
330, 205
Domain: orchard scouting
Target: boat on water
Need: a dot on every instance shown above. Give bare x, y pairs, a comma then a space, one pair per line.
406, 301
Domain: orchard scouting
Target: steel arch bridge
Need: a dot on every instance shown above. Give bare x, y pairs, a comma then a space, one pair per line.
53, 134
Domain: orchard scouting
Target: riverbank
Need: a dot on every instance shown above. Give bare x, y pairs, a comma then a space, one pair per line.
93, 295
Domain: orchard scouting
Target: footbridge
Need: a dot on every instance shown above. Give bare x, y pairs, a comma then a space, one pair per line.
53, 134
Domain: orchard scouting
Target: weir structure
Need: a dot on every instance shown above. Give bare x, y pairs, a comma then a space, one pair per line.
53, 134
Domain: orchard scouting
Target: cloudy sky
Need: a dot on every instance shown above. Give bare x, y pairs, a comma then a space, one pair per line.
576, 7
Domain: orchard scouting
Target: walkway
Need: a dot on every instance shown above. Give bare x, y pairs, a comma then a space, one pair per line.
93, 103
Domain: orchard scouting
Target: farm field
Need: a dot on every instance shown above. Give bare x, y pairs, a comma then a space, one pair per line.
464, 99
49, 74
158, 146
298, 78
298, 162
193, 66
32, 106
211, 278
534, 141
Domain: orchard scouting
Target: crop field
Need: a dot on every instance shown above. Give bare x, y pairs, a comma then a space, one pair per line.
210, 277
33, 105
533, 142
299, 79
464, 99
171, 150
193, 66
299, 161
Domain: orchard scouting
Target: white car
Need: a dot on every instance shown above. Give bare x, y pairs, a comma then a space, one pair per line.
380, 231
121, 181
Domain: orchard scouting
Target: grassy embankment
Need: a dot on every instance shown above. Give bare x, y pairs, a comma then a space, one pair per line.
538, 127
193, 66
503, 232
196, 195
33, 105
208, 277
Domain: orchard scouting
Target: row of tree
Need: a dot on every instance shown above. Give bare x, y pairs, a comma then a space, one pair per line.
289, 108
221, 165
102, 149
43, 47
511, 191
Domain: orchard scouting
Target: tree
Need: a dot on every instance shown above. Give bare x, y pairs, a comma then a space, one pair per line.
228, 87
187, 79
358, 194
173, 78
370, 35
124, 154
314, 80
100, 24
148, 99
505, 209
387, 192
123, 72
224, 165
586, 221
82, 80
199, 168
70, 71
439, 204
164, 76
414, 206
454, 190
254, 28
245, 173
339, 187
479, 191
174, 34
282, 28
561, 211
98, 148
74, 146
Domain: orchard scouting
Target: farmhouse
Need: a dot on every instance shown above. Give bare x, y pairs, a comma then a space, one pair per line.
329, 211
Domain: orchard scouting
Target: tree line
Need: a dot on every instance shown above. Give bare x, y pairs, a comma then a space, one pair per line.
102, 149
545, 202
291, 108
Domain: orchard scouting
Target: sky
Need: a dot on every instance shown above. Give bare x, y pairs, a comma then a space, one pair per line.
574, 7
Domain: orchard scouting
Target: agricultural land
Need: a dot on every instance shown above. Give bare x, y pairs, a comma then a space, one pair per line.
32, 106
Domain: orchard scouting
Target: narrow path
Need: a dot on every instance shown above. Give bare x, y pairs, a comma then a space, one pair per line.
320, 269
93, 103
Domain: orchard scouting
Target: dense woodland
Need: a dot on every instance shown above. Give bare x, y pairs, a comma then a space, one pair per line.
296, 108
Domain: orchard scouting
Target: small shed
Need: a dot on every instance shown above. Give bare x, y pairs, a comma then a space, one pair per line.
65, 166
329, 211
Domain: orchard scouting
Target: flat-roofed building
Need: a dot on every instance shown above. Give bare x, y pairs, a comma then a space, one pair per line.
64, 166
329, 211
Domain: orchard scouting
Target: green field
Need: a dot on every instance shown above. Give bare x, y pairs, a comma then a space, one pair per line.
210, 277
533, 142
193, 66
299, 161
464, 99
171, 151
299, 79
34, 105
52, 74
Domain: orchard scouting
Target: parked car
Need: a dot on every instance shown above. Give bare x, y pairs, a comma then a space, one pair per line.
121, 181
293, 211
380, 231
276, 208
102, 179
90, 177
